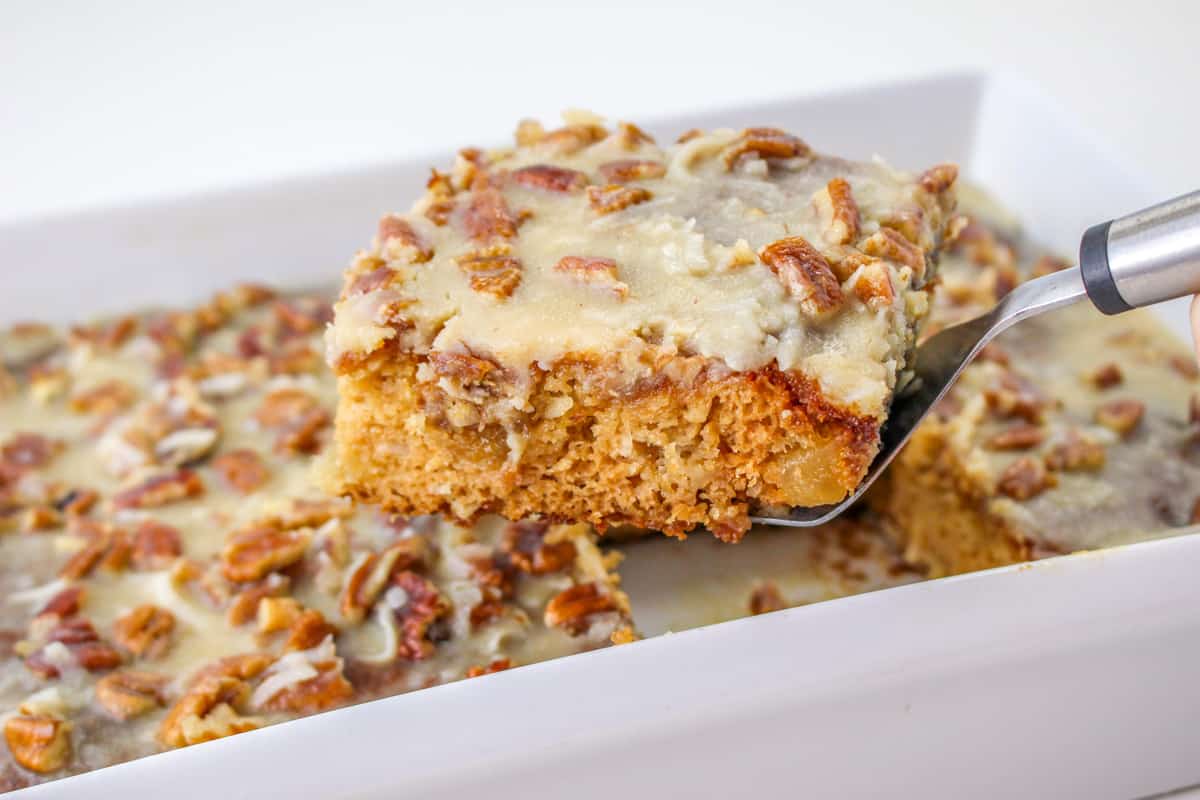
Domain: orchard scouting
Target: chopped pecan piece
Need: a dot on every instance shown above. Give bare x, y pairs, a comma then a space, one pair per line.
571, 139
1014, 396
497, 275
688, 135
572, 608
487, 217
550, 178
38, 742
277, 613
766, 598
78, 502
423, 606
463, 367
1106, 376
248, 603
300, 316
1194, 519
1025, 478
630, 136
1194, 409
328, 689
131, 693
936, 180
243, 666
368, 580
874, 285
40, 518
155, 545
1121, 416
105, 399
243, 469
527, 548
804, 273
81, 643
887, 243
600, 272
65, 603
105, 547
208, 711
145, 631
838, 211
160, 490
626, 170
297, 418
498, 665
614, 197
377, 278
409, 244
1184, 365
1075, 452
765, 143
251, 553
308, 630
29, 450
1018, 437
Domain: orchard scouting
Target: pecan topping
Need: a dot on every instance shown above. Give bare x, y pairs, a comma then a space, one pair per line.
29, 451
39, 742
277, 613
368, 580
1018, 437
423, 606
936, 180
130, 693
253, 552
626, 170
78, 502
249, 602
614, 197
1185, 366
377, 278
208, 711
243, 469
105, 547
1107, 376
499, 665
161, 490
571, 139
409, 244
839, 213
1075, 452
1194, 409
550, 178
468, 369
1025, 478
488, 217
329, 688
297, 419
155, 545
243, 667
303, 315
571, 608
804, 273
887, 243
599, 272
308, 630
497, 275
1121, 416
81, 642
765, 143
64, 604
630, 136
105, 399
145, 631
874, 285
688, 135
1014, 396
766, 598
527, 548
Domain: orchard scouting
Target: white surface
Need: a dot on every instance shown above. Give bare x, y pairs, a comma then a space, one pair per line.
1069, 677
106, 102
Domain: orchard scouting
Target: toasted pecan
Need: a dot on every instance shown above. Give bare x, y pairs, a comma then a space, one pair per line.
131, 693
252, 552
594, 271
1106, 376
155, 545
766, 598
1025, 478
613, 197
423, 606
397, 236
243, 469
804, 273
764, 143
549, 178
488, 217
161, 490
209, 710
1017, 437
572, 609
1075, 452
938, 179
838, 211
891, 245
1121, 416
145, 631
38, 742
626, 170
496, 275
527, 548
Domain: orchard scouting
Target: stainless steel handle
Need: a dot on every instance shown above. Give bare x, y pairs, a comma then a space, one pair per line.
1144, 258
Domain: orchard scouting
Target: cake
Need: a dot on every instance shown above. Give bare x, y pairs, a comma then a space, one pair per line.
1072, 431
593, 328
170, 574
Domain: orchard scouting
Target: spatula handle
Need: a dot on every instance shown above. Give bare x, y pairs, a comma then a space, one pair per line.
1144, 258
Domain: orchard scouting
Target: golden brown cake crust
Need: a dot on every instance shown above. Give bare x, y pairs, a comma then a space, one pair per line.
689, 448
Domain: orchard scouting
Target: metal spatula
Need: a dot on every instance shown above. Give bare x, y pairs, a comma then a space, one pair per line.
1145, 258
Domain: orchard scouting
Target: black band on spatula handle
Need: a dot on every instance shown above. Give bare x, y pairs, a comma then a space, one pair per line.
1097, 276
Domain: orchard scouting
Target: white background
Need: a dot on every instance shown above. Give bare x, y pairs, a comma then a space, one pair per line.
111, 102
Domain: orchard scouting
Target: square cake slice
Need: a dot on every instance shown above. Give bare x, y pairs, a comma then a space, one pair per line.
594, 328
1073, 431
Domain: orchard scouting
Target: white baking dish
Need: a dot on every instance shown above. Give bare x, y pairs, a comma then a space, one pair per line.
1069, 677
